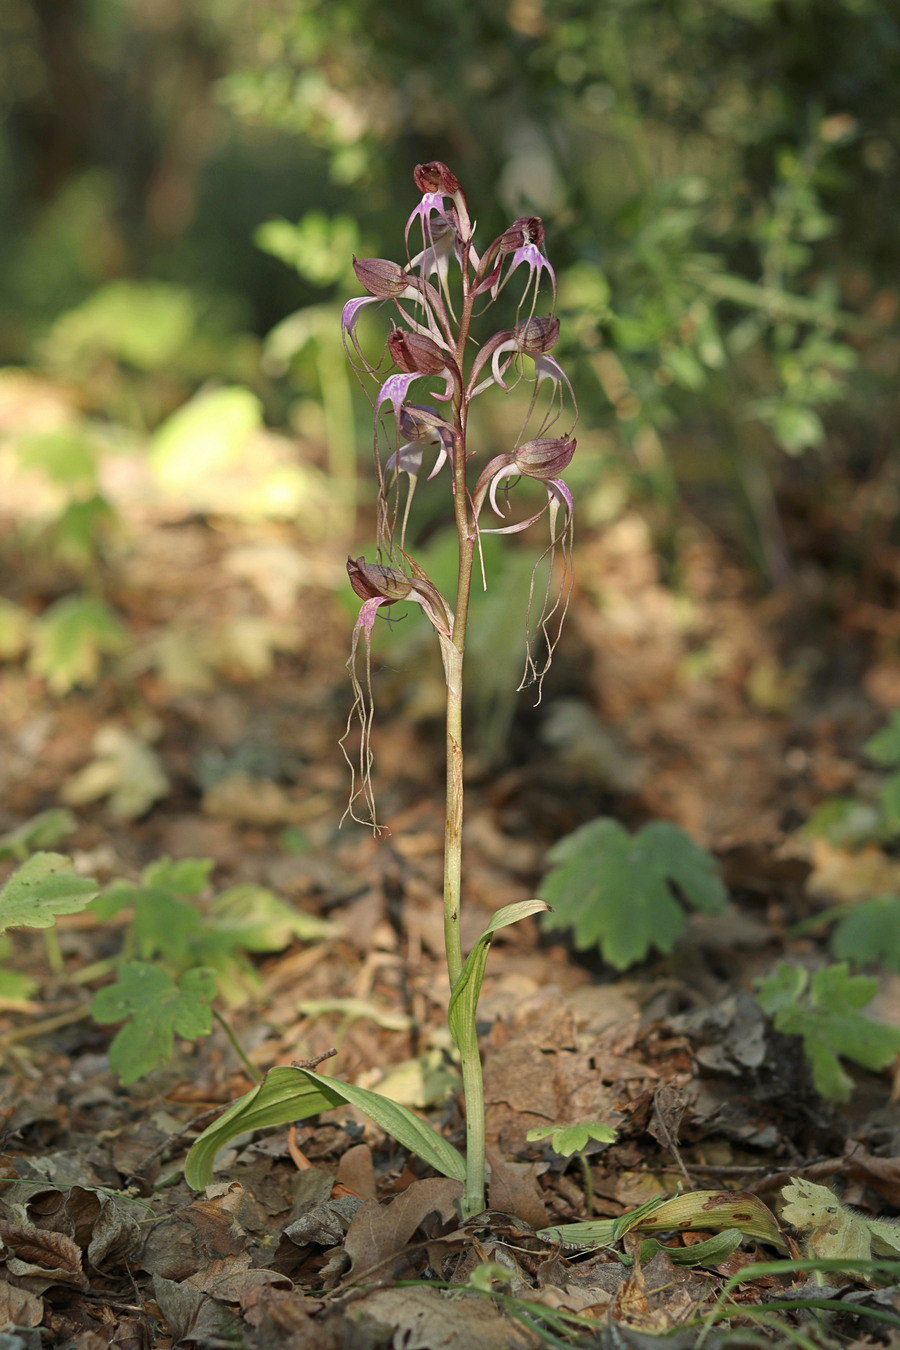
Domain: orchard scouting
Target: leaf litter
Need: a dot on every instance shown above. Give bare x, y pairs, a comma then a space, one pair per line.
333, 1235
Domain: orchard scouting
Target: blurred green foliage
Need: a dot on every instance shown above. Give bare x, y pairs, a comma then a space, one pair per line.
716, 178
700, 167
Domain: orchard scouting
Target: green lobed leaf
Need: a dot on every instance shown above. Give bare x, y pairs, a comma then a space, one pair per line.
39, 832
166, 926
825, 1014
569, 1139
287, 1094
869, 934
261, 922
781, 990
42, 888
615, 890
157, 1009
884, 747
464, 998
889, 801
70, 638
184, 876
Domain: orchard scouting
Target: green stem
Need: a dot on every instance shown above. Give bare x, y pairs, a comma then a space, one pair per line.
453, 652
473, 1091
238, 1048
588, 1187
53, 951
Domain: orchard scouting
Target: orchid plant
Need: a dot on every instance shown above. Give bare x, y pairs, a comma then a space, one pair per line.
436, 299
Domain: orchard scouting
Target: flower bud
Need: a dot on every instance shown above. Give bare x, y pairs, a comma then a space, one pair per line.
420, 422
435, 177
537, 334
374, 581
416, 354
381, 277
526, 230
545, 457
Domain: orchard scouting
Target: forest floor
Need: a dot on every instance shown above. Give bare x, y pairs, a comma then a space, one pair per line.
684, 689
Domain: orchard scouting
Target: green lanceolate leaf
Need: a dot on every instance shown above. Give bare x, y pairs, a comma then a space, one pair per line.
42, 888
155, 1009
825, 1011
615, 889
464, 999
694, 1211
712, 1252
287, 1094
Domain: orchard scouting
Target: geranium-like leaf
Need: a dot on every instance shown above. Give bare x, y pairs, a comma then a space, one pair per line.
70, 638
155, 1009
825, 1012
42, 888
884, 746
42, 831
831, 1230
869, 933
569, 1139
615, 890
287, 1094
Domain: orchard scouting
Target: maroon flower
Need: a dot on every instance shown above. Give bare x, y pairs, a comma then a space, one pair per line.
436, 177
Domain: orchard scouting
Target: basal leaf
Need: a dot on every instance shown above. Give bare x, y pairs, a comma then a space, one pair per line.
869, 933
713, 1252
615, 890
42, 888
157, 1009
717, 1211
825, 1014
287, 1094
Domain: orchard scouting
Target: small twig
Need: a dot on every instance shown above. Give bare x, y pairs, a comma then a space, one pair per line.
314, 1061
588, 1186
33, 1029
818, 1170
298, 1157
173, 1138
670, 1141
